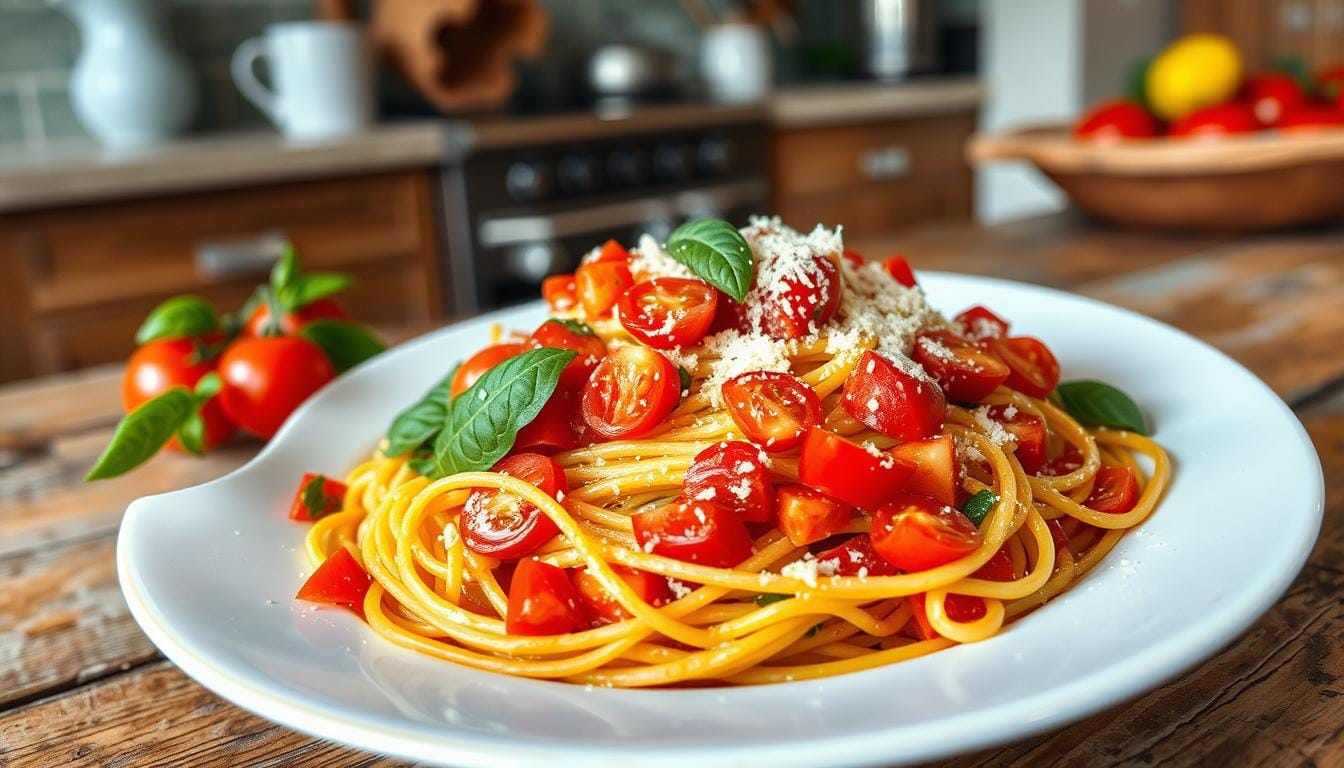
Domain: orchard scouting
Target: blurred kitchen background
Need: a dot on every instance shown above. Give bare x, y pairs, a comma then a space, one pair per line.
156, 147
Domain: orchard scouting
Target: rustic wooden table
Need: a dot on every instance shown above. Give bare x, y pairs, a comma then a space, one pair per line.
79, 683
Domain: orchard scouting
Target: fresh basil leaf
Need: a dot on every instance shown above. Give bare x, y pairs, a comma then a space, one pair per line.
978, 506
315, 499
685, 377
143, 432
483, 422
422, 422
717, 252
192, 434
346, 344
423, 464
208, 386
768, 598
1097, 404
285, 270
177, 317
305, 289
815, 629
577, 326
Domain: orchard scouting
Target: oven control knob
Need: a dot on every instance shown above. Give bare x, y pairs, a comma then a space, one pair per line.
628, 167
577, 174
531, 262
671, 162
527, 181
714, 155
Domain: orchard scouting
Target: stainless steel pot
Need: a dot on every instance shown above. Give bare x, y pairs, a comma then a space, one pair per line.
628, 70
900, 37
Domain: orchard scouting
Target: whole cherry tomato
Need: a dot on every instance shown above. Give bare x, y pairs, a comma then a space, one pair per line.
1272, 95
668, 312
1117, 120
161, 365
476, 365
291, 322
1211, 122
265, 379
980, 322
1312, 117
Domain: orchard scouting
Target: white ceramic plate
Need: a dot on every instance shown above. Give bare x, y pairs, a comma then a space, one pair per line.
209, 572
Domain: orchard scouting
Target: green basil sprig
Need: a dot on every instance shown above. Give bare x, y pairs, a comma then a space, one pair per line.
346, 344
422, 422
178, 317
315, 500
483, 422
1097, 404
978, 506
145, 430
290, 289
714, 250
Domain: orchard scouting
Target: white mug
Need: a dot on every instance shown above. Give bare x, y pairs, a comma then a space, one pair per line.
321, 74
735, 62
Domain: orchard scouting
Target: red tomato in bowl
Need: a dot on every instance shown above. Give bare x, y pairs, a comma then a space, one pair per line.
1271, 95
503, 526
893, 401
773, 410
967, 372
805, 303
980, 322
668, 312
1028, 430
1117, 120
694, 531
633, 389
266, 378
292, 322
732, 475
916, 533
589, 347
553, 428
161, 365
1032, 367
1313, 117
600, 284
476, 366
542, 601
1221, 120
850, 472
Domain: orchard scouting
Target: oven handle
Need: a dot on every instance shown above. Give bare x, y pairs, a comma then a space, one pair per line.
511, 230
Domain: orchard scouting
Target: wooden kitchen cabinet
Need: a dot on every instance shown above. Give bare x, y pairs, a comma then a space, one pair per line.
1267, 31
875, 177
75, 283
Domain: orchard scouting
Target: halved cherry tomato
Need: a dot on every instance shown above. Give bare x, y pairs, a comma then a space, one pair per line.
265, 379
849, 472
1311, 117
1117, 120
729, 314
804, 304
1212, 122
694, 532
732, 475
853, 258
960, 608
317, 496
611, 251
893, 401
476, 365
602, 606
856, 558
1033, 369
916, 533
1068, 460
600, 284
1272, 95
900, 271
1116, 490
339, 580
589, 347
966, 372
935, 462
631, 392
560, 292
668, 312
291, 322
979, 322
806, 515
503, 526
552, 430
1028, 430
773, 410
161, 365
542, 601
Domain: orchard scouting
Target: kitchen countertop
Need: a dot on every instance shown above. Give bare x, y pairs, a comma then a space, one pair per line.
80, 684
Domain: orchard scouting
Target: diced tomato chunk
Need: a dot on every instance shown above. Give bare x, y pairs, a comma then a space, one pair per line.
560, 292
849, 472
542, 601
935, 462
694, 531
806, 515
600, 284
317, 496
611, 251
603, 607
893, 401
339, 580
900, 271
1115, 491
979, 322
732, 474
916, 533
1028, 430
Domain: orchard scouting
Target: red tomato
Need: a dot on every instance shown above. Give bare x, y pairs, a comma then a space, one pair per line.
893, 401
1311, 118
476, 365
291, 322
668, 312
557, 335
694, 532
320, 502
935, 462
541, 601
916, 533
1058, 535
552, 430
853, 258
900, 271
265, 379
1271, 95
633, 389
1117, 120
600, 284
966, 372
339, 580
610, 252
1032, 367
728, 314
1216, 121
960, 608
980, 323
806, 515
1115, 491
856, 558
803, 304
560, 292
732, 474
161, 365
503, 526
602, 606
997, 568
1068, 460
849, 472
1029, 432
773, 410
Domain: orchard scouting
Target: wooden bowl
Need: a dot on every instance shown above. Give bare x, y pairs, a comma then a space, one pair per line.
1259, 181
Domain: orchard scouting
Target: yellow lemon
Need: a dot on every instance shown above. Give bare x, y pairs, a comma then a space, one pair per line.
1194, 72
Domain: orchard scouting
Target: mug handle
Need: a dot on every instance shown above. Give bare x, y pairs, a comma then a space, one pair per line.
245, 77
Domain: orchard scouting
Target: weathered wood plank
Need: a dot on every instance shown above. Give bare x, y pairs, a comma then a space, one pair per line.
32, 412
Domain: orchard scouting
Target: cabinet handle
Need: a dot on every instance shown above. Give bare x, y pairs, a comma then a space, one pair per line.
879, 163
244, 256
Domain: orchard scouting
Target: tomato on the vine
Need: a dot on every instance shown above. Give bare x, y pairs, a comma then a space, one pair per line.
161, 365
291, 322
266, 378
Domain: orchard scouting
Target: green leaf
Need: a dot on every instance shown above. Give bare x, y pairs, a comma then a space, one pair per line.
1136, 80
346, 344
208, 386
815, 629
192, 434
315, 499
577, 326
177, 317
768, 598
685, 377
285, 270
717, 252
979, 505
1097, 404
423, 464
305, 289
143, 432
484, 421
422, 422
1296, 68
